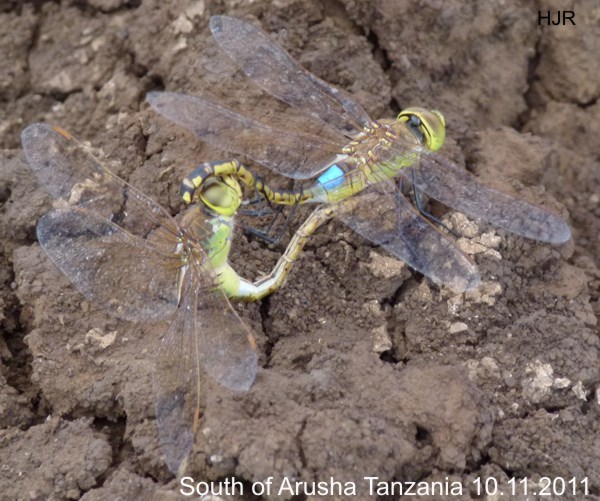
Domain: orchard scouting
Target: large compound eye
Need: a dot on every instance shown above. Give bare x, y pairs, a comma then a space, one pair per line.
223, 195
430, 124
216, 195
414, 121
219, 196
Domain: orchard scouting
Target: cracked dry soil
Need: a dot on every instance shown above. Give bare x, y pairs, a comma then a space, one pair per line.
367, 368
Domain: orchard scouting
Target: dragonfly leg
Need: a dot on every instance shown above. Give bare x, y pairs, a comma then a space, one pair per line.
263, 235
266, 235
265, 205
259, 200
255, 212
428, 215
285, 226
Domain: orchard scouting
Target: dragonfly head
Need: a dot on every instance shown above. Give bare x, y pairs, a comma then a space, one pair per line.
429, 125
222, 194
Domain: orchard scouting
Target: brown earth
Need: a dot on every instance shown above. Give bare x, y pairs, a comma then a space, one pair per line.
367, 368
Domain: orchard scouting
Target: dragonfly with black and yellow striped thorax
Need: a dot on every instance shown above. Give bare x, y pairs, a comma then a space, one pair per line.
358, 164
127, 254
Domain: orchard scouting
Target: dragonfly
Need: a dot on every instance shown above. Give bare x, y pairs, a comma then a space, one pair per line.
127, 254
357, 166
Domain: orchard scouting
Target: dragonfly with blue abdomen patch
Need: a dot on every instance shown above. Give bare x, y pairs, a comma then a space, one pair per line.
356, 166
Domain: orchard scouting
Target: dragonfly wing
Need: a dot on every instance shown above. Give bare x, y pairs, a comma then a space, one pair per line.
68, 171
176, 386
228, 349
389, 220
128, 276
205, 333
274, 70
455, 187
113, 242
293, 153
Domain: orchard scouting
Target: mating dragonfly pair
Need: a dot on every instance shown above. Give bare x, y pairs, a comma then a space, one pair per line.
125, 252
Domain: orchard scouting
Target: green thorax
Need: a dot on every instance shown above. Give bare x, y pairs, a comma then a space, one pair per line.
208, 235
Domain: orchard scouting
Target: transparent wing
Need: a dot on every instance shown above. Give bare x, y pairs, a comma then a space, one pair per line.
207, 333
293, 153
275, 71
448, 183
68, 171
390, 220
115, 244
128, 276
121, 249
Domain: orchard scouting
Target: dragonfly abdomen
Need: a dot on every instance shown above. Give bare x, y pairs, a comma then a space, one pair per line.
196, 179
332, 177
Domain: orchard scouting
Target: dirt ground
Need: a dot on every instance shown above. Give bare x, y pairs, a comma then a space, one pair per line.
367, 369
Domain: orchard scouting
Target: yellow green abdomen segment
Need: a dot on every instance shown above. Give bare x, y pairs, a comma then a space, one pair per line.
254, 291
229, 280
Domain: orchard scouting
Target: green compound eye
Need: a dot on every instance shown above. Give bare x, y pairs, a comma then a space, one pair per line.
214, 195
430, 123
223, 195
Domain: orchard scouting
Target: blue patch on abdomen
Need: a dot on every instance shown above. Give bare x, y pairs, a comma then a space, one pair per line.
331, 178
